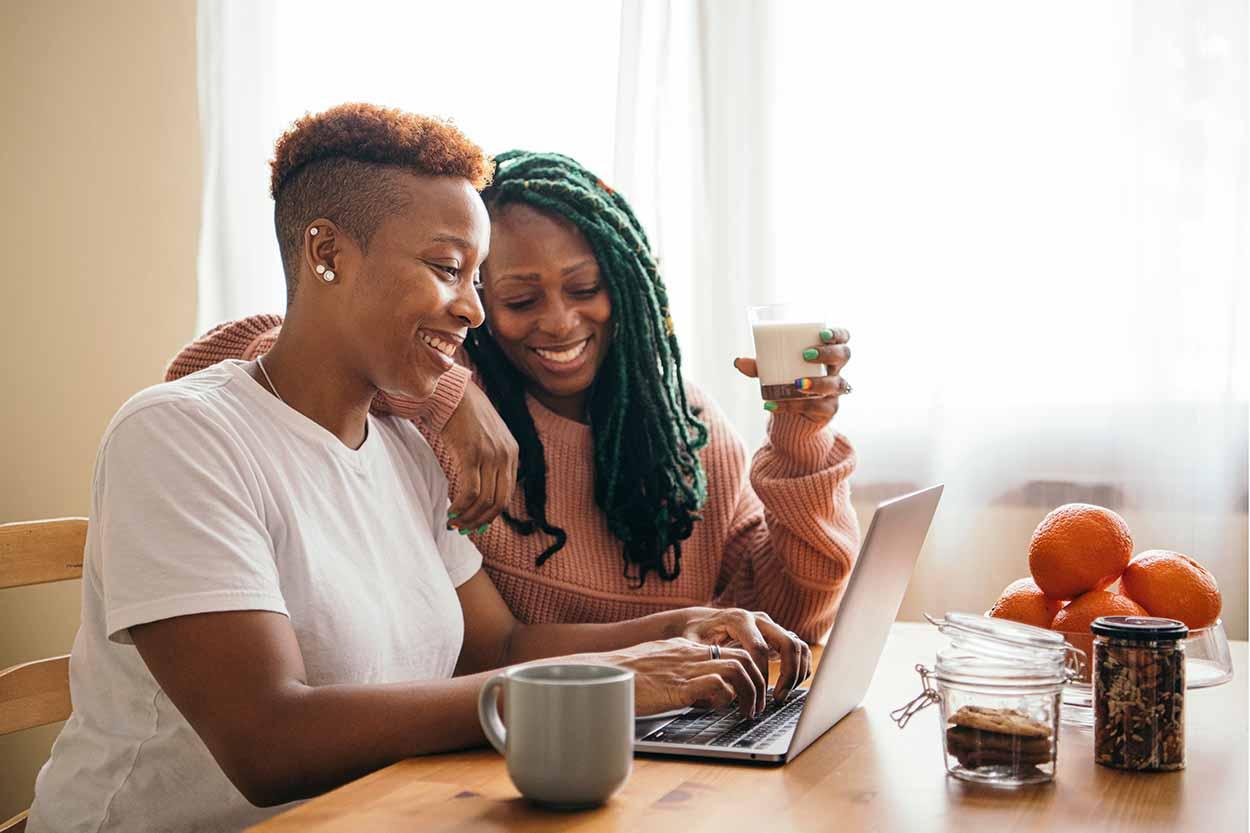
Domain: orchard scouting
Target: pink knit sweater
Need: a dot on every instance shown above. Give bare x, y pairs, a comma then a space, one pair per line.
778, 536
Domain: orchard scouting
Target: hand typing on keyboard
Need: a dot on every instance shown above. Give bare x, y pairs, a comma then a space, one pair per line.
674, 673
720, 659
758, 634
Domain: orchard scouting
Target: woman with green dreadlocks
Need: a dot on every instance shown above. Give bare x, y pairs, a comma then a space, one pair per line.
636, 494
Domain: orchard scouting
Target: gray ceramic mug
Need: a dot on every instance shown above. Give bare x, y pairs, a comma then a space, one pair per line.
569, 741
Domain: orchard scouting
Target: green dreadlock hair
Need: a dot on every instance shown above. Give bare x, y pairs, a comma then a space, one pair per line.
649, 480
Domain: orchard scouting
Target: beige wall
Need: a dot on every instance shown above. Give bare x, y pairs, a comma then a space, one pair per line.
101, 186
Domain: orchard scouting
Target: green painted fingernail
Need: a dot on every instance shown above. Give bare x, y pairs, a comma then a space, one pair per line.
463, 531
482, 528
811, 353
451, 515
826, 335
770, 406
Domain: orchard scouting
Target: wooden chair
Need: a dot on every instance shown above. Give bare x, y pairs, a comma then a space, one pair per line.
37, 693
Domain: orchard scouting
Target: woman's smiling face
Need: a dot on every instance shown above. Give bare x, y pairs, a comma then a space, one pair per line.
547, 306
410, 299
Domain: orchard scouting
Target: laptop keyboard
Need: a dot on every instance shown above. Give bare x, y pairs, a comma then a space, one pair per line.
713, 728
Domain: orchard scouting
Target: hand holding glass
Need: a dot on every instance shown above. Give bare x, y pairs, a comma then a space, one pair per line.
781, 333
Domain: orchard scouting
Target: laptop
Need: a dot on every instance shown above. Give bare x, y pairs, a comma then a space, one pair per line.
873, 595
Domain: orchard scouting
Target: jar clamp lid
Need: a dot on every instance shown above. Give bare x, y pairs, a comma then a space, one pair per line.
1139, 628
1001, 633
994, 653
983, 645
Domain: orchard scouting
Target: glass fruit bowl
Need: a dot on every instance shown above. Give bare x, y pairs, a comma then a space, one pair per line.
1208, 662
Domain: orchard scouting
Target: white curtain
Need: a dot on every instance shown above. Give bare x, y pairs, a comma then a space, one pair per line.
695, 155
239, 269
1032, 217
530, 75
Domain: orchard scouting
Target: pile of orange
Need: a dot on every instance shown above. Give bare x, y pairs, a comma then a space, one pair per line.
1082, 566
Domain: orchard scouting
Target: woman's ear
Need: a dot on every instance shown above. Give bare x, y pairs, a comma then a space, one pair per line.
322, 249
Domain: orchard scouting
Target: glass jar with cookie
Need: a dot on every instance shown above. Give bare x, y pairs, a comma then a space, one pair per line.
998, 685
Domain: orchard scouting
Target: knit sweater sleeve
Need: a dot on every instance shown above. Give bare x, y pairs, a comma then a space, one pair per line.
794, 535
431, 413
244, 339
251, 337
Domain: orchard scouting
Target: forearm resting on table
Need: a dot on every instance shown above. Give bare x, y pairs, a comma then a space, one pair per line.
239, 679
306, 740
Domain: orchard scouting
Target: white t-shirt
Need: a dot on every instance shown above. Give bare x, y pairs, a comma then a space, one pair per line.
209, 494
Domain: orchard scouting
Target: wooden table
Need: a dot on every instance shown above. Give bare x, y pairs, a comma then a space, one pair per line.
863, 775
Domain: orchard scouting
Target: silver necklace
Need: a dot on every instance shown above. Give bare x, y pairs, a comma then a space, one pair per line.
261, 365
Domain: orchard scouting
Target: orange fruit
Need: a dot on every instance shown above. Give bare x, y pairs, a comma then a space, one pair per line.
1078, 548
1174, 586
1084, 609
1023, 601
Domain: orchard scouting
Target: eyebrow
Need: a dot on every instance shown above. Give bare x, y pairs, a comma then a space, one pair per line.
568, 270
534, 276
451, 238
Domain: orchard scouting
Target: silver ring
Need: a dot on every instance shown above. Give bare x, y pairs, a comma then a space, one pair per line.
715, 651
846, 388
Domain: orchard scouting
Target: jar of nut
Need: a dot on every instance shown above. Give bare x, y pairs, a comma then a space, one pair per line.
998, 684
1139, 692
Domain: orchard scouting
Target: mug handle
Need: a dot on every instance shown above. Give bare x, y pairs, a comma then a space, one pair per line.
488, 713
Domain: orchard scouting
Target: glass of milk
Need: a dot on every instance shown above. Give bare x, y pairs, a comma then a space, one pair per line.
782, 332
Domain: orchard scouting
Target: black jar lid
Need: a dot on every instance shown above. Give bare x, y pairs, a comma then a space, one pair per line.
1141, 628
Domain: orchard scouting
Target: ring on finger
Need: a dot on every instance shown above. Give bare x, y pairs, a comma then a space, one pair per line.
715, 651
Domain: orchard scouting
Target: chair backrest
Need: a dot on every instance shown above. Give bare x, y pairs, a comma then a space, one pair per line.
37, 693
39, 552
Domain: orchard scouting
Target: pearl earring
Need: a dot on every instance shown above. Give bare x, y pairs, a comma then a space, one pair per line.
329, 275
321, 269
313, 231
